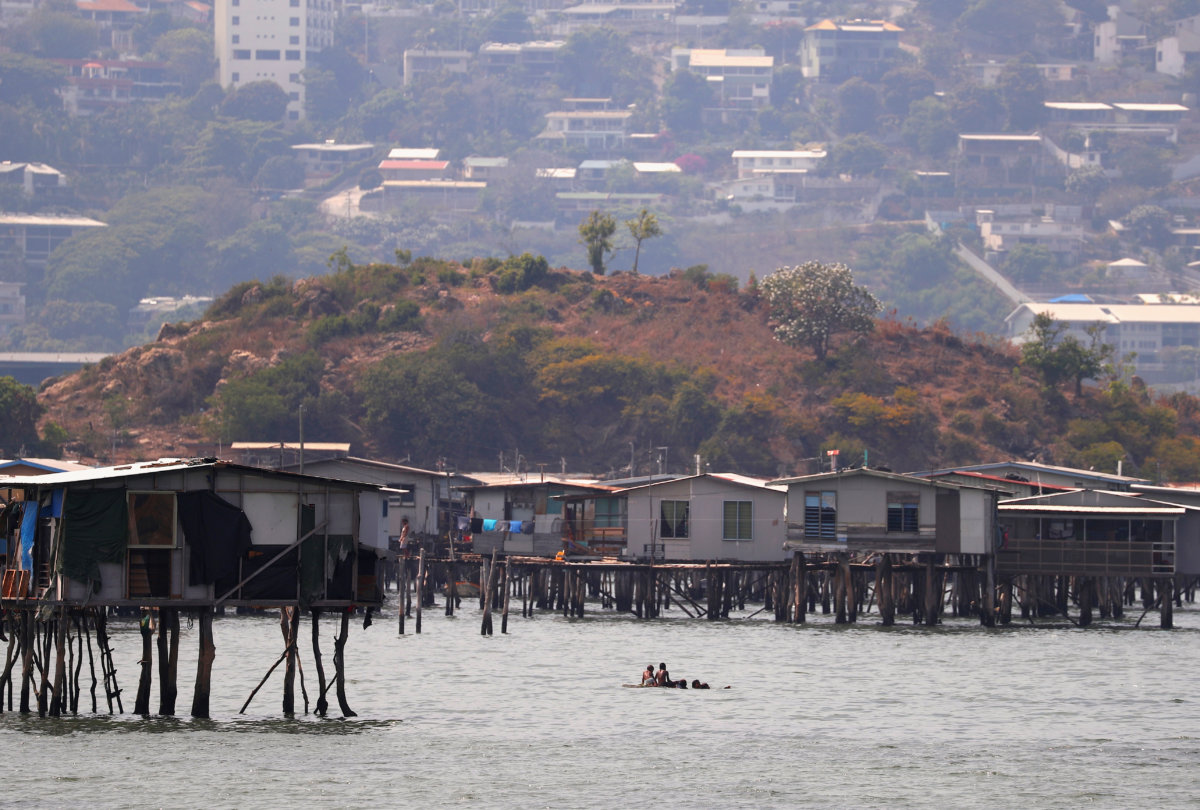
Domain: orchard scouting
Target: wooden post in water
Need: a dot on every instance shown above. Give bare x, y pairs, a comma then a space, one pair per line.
204, 662
142, 704
289, 625
339, 665
931, 592
1084, 589
841, 586
883, 590
799, 580
168, 660
27, 641
1166, 616
508, 586
420, 587
322, 703
987, 614
485, 597
401, 594
59, 702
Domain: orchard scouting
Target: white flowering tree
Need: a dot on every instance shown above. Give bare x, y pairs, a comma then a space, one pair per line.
810, 303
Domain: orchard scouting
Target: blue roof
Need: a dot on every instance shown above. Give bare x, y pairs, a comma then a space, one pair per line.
1073, 298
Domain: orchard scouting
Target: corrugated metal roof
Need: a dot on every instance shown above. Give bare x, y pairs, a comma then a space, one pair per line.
165, 466
1132, 509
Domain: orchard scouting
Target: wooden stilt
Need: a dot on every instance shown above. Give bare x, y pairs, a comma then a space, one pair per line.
987, 615
339, 665
43, 663
322, 703
27, 641
931, 592
142, 704
168, 660
1166, 616
420, 588
401, 593
289, 625
59, 699
508, 586
883, 590
485, 597
204, 662
1084, 587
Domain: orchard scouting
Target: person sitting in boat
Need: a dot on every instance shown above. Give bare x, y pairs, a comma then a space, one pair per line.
697, 685
663, 678
648, 676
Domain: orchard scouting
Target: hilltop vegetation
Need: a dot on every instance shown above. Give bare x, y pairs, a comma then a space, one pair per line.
439, 362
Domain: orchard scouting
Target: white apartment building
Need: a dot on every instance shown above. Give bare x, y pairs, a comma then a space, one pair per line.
272, 40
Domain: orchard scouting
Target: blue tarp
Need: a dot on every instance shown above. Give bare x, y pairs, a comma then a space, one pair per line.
28, 531
1073, 298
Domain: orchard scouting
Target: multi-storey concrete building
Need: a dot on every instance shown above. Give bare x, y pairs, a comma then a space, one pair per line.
272, 40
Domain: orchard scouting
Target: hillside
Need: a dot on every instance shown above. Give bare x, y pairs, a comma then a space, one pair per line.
436, 362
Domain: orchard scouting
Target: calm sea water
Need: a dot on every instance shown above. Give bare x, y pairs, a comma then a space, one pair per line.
818, 716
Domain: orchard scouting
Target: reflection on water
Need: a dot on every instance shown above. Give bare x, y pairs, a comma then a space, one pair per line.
818, 716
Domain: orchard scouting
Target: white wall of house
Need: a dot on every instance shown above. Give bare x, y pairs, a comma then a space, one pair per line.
269, 40
706, 497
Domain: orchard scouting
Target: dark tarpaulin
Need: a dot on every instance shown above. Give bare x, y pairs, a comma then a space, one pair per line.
219, 535
322, 563
95, 530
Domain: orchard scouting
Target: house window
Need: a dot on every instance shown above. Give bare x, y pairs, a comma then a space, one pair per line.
294, 78
608, 513
674, 523
902, 513
271, 55
151, 519
241, 53
294, 22
236, 39
738, 519
820, 515
237, 76
384, 502
404, 496
293, 40
236, 20
293, 56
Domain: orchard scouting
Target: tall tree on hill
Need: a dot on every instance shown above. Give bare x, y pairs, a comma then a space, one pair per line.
642, 227
21, 411
595, 234
812, 302
1023, 94
1058, 357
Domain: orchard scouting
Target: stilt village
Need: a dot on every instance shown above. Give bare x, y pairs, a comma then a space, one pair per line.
343, 539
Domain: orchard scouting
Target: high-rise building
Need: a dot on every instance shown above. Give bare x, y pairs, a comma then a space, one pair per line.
272, 40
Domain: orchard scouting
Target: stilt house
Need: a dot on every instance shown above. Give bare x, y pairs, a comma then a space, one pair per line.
190, 534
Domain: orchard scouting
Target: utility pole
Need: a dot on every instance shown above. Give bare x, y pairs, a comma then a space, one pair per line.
302, 438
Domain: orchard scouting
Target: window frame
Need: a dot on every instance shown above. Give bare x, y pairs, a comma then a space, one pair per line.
743, 524
135, 540
903, 513
824, 519
674, 527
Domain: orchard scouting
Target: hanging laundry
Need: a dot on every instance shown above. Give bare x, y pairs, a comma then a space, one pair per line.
476, 525
489, 525
514, 526
463, 523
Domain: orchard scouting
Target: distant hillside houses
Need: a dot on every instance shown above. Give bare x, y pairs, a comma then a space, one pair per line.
1162, 338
